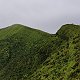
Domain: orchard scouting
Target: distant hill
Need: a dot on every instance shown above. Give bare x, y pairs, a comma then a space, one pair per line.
31, 54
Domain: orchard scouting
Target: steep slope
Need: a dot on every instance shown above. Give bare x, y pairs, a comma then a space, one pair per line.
22, 50
64, 62
30, 54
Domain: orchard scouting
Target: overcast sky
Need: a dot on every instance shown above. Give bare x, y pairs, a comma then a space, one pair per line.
46, 15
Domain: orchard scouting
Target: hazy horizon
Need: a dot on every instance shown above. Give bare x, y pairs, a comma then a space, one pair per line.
47, 15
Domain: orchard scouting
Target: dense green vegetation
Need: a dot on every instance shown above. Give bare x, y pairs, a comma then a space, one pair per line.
30, 54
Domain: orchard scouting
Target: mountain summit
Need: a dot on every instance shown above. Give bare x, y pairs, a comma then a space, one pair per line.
31, 54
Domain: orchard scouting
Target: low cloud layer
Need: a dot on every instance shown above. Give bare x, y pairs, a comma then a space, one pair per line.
46, 15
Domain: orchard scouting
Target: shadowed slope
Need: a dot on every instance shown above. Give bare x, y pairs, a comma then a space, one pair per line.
22, 50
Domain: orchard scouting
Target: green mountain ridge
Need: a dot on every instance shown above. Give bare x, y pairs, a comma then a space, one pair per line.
31, 54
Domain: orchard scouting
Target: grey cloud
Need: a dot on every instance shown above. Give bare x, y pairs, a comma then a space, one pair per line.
46, 15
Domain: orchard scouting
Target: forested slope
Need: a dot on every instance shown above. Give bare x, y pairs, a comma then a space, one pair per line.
30, 54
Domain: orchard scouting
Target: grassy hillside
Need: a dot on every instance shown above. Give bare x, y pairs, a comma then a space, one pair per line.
30, 54
64, 62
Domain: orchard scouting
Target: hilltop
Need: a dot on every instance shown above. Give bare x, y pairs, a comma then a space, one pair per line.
31, 54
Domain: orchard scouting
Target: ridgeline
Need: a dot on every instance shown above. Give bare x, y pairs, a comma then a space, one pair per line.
31, 54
